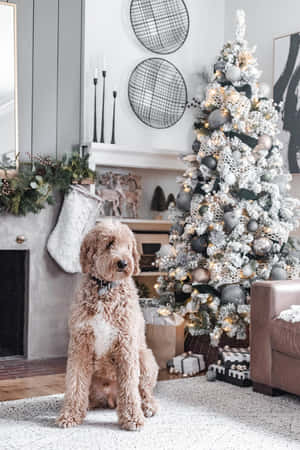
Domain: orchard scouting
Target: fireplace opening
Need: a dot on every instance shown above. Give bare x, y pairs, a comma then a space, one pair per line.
14, 273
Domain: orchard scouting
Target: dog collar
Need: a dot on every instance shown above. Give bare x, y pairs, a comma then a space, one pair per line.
104, 286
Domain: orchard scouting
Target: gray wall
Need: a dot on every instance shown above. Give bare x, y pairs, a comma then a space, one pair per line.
49, 75
50, 289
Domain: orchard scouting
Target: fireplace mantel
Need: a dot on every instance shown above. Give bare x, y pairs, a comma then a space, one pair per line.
113, 155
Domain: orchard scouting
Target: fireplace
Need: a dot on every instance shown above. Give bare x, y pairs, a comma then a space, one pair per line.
14, 274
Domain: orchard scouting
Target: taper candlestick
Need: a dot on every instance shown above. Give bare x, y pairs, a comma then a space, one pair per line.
95, 139
103, 106
113, 118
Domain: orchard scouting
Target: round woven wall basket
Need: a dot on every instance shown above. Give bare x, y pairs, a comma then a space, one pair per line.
157, 93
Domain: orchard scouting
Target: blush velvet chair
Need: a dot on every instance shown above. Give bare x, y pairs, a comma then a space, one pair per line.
275, 344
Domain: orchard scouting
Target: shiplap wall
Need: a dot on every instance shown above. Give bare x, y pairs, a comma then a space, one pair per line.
49, 75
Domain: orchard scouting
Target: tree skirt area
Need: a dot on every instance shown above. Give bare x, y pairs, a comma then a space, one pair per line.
194, 414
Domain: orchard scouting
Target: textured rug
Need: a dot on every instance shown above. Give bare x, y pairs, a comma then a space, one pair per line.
194, 414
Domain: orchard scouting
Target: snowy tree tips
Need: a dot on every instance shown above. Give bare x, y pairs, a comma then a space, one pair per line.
240, 25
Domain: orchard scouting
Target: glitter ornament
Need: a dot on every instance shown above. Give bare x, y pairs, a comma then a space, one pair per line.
166, 251
262, 246
233, 294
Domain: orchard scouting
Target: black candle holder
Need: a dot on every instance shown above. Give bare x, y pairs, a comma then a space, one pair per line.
113, 141
95, 139
103, 106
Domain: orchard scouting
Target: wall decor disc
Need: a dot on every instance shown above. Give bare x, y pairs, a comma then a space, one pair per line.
157, 93
161, 26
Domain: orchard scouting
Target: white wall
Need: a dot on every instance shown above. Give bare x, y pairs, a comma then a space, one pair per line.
108, 31
266, 19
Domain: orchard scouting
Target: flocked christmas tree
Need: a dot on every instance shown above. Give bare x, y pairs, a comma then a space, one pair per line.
233, 214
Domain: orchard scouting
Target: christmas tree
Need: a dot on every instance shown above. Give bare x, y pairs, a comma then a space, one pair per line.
233, 214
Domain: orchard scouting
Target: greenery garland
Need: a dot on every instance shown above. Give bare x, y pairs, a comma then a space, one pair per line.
32, 188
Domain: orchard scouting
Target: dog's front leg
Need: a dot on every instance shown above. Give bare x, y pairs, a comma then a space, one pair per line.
129, 409
78, 379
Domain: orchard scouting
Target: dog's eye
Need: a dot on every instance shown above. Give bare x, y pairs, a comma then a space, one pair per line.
110, 244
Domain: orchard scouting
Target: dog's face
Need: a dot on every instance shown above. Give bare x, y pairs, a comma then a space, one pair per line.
109, 252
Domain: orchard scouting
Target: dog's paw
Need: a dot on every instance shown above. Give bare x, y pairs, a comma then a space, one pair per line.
150, 407
66, 420
134, 423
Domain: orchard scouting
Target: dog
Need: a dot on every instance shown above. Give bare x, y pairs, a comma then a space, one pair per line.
109, 363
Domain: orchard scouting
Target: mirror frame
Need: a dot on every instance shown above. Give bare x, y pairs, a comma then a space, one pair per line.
9, 173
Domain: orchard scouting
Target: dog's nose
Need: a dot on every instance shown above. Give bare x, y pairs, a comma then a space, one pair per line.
122, 264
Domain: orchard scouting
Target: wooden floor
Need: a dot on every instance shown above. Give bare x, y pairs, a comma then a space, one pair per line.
32, 384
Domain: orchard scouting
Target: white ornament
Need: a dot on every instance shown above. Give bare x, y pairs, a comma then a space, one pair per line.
265, 142
166, 250
247, 270
230, 179
233, 74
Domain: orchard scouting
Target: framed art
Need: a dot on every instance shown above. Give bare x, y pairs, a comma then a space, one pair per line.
286, 87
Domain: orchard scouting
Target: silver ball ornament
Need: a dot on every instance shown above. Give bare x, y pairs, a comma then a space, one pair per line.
183, 200
199, 244
217, 118
262, 246
200, 275
210, 162
278, 273
233, 294
265, 142
233, 74
252, 225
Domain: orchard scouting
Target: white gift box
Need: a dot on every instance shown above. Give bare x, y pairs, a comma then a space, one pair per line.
188, 363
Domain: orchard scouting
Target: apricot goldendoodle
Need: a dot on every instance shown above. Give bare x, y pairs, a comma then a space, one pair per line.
109, 363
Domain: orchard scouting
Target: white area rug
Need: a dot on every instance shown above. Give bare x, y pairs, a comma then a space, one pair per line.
194, 414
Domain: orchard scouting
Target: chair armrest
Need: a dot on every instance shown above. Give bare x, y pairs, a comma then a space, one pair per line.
268, 299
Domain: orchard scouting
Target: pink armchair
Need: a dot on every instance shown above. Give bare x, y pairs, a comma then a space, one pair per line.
275, 344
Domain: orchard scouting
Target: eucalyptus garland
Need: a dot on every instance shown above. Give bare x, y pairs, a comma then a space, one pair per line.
33, 187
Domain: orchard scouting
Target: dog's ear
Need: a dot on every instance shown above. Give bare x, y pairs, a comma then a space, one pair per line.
136, 256
87, 250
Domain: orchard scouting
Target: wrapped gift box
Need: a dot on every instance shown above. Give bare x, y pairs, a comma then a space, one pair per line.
233, 366
236, 377
164, 332
234, 356
187, 364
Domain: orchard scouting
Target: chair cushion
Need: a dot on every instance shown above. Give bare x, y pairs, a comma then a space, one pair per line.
285, 337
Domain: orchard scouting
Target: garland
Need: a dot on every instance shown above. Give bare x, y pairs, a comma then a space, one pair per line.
32, 188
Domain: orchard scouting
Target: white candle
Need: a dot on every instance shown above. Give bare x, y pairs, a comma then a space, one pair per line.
104, 63
96, 73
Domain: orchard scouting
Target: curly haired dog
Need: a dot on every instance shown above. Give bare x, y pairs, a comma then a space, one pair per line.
109, 363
